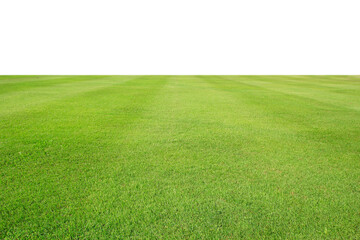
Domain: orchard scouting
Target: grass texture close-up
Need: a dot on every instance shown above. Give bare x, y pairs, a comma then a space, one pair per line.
180, 157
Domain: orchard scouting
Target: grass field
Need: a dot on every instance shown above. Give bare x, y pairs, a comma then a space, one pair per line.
178, 157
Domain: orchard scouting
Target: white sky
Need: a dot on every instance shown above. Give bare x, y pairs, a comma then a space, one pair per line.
179, 37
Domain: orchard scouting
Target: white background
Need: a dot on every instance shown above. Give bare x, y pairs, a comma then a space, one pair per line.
179, 37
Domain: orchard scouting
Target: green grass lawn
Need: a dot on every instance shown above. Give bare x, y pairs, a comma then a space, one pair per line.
180, 157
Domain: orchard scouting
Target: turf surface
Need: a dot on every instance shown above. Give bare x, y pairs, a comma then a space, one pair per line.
213, 157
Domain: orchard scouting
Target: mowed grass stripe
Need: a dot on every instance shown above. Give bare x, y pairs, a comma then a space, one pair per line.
41, 81
56, 167
322, 117
13, 79
213, 157
208, 156
21, 100
288, 106
341, 95
290, 130
312, 121
173, 169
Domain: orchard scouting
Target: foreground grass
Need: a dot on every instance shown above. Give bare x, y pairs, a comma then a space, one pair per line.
223, 157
